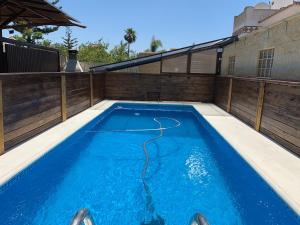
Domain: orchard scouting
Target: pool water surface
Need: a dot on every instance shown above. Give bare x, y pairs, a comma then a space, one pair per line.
191, 169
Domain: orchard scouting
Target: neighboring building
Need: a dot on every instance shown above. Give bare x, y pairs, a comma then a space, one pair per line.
282, 14
278, 4
251, 18
248, 20
272, 51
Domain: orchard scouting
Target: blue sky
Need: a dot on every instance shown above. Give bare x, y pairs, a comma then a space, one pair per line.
177, 23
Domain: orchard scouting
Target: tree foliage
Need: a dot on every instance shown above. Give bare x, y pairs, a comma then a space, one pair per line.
68, 40
96, 52
155, 44
119, 53
61, 48
130, 37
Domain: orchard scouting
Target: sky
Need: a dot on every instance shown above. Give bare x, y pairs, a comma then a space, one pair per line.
177, 23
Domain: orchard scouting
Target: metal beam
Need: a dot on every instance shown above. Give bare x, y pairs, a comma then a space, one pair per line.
219, 61
165, 55
189, 63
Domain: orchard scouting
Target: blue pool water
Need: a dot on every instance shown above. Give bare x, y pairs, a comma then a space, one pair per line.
191, 169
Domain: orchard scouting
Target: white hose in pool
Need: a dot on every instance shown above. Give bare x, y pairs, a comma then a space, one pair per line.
161, 129
149, 204
149, 201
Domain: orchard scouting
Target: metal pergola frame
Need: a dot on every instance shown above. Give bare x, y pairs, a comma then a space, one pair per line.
215, 44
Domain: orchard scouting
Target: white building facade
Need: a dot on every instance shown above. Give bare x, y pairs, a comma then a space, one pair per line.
272, 51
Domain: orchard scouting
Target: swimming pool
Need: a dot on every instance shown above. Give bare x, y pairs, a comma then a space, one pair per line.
191, 169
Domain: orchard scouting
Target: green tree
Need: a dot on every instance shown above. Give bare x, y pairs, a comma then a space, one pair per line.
62, 49
96, 52
34, 34
130, 37
46, 43
68, 40
119, 53
155, 44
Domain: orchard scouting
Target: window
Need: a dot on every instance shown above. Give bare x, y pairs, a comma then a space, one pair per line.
231, 65
265, 62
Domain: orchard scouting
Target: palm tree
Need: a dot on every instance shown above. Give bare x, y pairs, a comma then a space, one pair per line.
155, 44
130, 37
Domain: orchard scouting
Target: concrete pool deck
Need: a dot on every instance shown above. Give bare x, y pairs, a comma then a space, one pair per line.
276, 165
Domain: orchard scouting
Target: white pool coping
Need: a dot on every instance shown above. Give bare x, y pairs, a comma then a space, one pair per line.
279, 168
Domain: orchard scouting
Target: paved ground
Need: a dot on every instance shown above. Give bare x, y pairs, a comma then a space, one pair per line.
276, 165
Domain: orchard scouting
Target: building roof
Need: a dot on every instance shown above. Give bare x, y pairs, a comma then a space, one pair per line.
33, 13
295, 4
159, 56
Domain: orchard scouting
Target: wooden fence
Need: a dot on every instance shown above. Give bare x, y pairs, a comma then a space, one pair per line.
164, 87
272, 107
33, 102
16, 56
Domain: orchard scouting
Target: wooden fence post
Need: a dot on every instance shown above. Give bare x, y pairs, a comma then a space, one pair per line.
91, 89
1, 120
229, 95
260, 103
63, 98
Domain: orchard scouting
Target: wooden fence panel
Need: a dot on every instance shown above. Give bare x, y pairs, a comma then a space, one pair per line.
281, 115
221, 92
123, 86
277, 115
194, 88
98, 87
150, 87
167, 87
20, 59
31, 105
244, 100
78, 92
